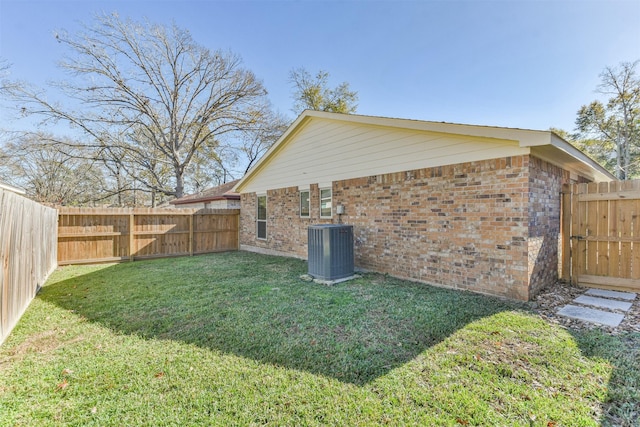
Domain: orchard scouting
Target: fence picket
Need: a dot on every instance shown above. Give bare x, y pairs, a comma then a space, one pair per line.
605, 222
28, 234
103, 235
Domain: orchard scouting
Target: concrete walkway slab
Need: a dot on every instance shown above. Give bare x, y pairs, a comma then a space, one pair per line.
591, 315
611, 304
629, 296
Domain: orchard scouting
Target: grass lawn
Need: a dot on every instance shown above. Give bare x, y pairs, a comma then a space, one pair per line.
238, 339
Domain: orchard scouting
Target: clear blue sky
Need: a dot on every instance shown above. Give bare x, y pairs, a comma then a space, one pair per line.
526, 64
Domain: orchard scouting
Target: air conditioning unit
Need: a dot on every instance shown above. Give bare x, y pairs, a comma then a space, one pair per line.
330, 251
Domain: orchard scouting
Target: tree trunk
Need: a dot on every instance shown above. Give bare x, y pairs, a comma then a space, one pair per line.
627, 156
619, 154
179, 184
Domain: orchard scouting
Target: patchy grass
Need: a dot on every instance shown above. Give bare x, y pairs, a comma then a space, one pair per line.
238, 339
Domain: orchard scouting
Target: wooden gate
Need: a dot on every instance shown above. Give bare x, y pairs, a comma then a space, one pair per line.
601, 235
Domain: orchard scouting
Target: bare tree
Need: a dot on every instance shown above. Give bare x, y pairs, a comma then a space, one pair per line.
256, 141
49, 175
149, 98
4, 66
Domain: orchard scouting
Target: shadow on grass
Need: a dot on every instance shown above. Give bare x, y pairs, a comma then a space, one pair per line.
256, 306
622, 406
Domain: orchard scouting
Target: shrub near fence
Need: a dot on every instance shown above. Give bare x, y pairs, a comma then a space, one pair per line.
28, 234
90, 235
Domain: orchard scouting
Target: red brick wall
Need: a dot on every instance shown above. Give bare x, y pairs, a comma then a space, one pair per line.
286, 231
545, 186
467, 226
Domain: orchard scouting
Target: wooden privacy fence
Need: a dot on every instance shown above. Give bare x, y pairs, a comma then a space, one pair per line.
92, 235
27, 254
601, 234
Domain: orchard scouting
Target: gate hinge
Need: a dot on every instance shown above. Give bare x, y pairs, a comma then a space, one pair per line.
577, 237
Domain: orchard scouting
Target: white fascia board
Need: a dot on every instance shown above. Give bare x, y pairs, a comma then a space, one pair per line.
526, 138
567, 157
600, 173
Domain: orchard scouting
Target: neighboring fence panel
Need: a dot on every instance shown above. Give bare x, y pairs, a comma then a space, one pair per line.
90, 235
604, 235
28, 235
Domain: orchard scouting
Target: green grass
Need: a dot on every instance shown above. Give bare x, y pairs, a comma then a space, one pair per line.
239, 339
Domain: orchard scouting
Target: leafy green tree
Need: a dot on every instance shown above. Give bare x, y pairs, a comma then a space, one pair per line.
313, 93
611, 131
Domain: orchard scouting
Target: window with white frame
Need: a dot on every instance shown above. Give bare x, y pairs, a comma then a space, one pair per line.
325, 203
261, 218
305, 206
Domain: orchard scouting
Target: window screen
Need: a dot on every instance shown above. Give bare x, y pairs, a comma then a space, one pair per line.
261, 221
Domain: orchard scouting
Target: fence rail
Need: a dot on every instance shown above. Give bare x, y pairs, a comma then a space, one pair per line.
27, 254
90, 235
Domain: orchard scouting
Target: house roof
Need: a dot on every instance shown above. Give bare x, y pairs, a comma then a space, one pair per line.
495, 141
221, 192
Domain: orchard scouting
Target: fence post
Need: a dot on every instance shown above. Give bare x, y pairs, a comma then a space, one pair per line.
565, 232
116, 235
237, 217
132, 223
191, 233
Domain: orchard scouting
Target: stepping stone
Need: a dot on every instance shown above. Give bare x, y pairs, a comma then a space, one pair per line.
611, 304
591, 315
629, 296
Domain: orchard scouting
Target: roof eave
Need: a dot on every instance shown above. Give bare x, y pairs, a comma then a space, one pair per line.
525, 137
599, 172
206, 199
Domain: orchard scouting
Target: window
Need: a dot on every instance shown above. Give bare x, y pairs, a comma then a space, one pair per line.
325, 203
261, 219
304, 204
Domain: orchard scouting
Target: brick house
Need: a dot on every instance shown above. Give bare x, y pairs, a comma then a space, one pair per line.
466, 207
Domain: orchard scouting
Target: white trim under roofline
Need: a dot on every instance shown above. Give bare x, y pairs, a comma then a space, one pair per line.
524, 137
601, 173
